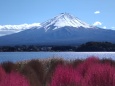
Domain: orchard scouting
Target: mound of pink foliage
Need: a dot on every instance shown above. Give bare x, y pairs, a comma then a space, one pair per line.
84, 66
65, 76
100, 75
91, 72
2, 73
14, 79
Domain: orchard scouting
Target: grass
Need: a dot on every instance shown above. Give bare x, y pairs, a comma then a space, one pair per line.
91, 71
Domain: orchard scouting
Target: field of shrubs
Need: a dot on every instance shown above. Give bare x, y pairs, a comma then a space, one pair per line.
91, 71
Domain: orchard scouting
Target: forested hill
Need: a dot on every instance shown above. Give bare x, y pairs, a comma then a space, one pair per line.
87, 47
97, 46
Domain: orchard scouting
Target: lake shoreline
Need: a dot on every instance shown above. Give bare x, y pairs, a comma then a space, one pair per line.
20, 56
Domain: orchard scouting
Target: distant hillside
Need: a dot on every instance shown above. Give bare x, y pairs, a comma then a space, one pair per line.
97, 46
87, 47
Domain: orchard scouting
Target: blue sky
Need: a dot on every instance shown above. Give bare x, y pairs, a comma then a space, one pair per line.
97, 12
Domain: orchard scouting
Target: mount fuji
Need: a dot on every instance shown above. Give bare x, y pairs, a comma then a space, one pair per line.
62, 30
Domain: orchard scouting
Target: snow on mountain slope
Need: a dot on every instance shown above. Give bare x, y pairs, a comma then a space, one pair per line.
9, 29
62, 20
63, 29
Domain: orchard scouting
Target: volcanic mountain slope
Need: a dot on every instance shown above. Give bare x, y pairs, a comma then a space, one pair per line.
64, 29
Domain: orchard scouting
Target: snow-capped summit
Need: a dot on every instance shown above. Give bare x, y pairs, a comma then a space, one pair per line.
64, 19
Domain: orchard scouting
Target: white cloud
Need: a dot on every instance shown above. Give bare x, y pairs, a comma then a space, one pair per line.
97, 23
104, 27
113, 27
96, 12
18, 27
9, 29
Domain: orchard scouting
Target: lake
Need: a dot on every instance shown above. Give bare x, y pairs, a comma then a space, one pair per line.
20, 56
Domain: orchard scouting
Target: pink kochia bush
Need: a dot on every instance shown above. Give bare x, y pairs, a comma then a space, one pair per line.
2, 73
91, 72
65, 76
84, 66
100, 75
14, 79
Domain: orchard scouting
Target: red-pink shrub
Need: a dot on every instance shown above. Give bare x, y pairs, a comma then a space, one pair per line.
100, 75
2, 73
65, 76
14, 79
84, 66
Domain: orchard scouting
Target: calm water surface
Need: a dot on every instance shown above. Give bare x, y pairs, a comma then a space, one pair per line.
19, 56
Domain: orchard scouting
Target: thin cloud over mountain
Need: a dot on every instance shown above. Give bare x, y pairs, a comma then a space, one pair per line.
97, 23
104, 27
18, 27
10, 29
113, 27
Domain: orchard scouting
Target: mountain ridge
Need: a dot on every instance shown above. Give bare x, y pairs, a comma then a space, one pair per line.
59, 30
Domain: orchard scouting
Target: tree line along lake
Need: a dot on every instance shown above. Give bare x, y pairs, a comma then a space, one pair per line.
21, 56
